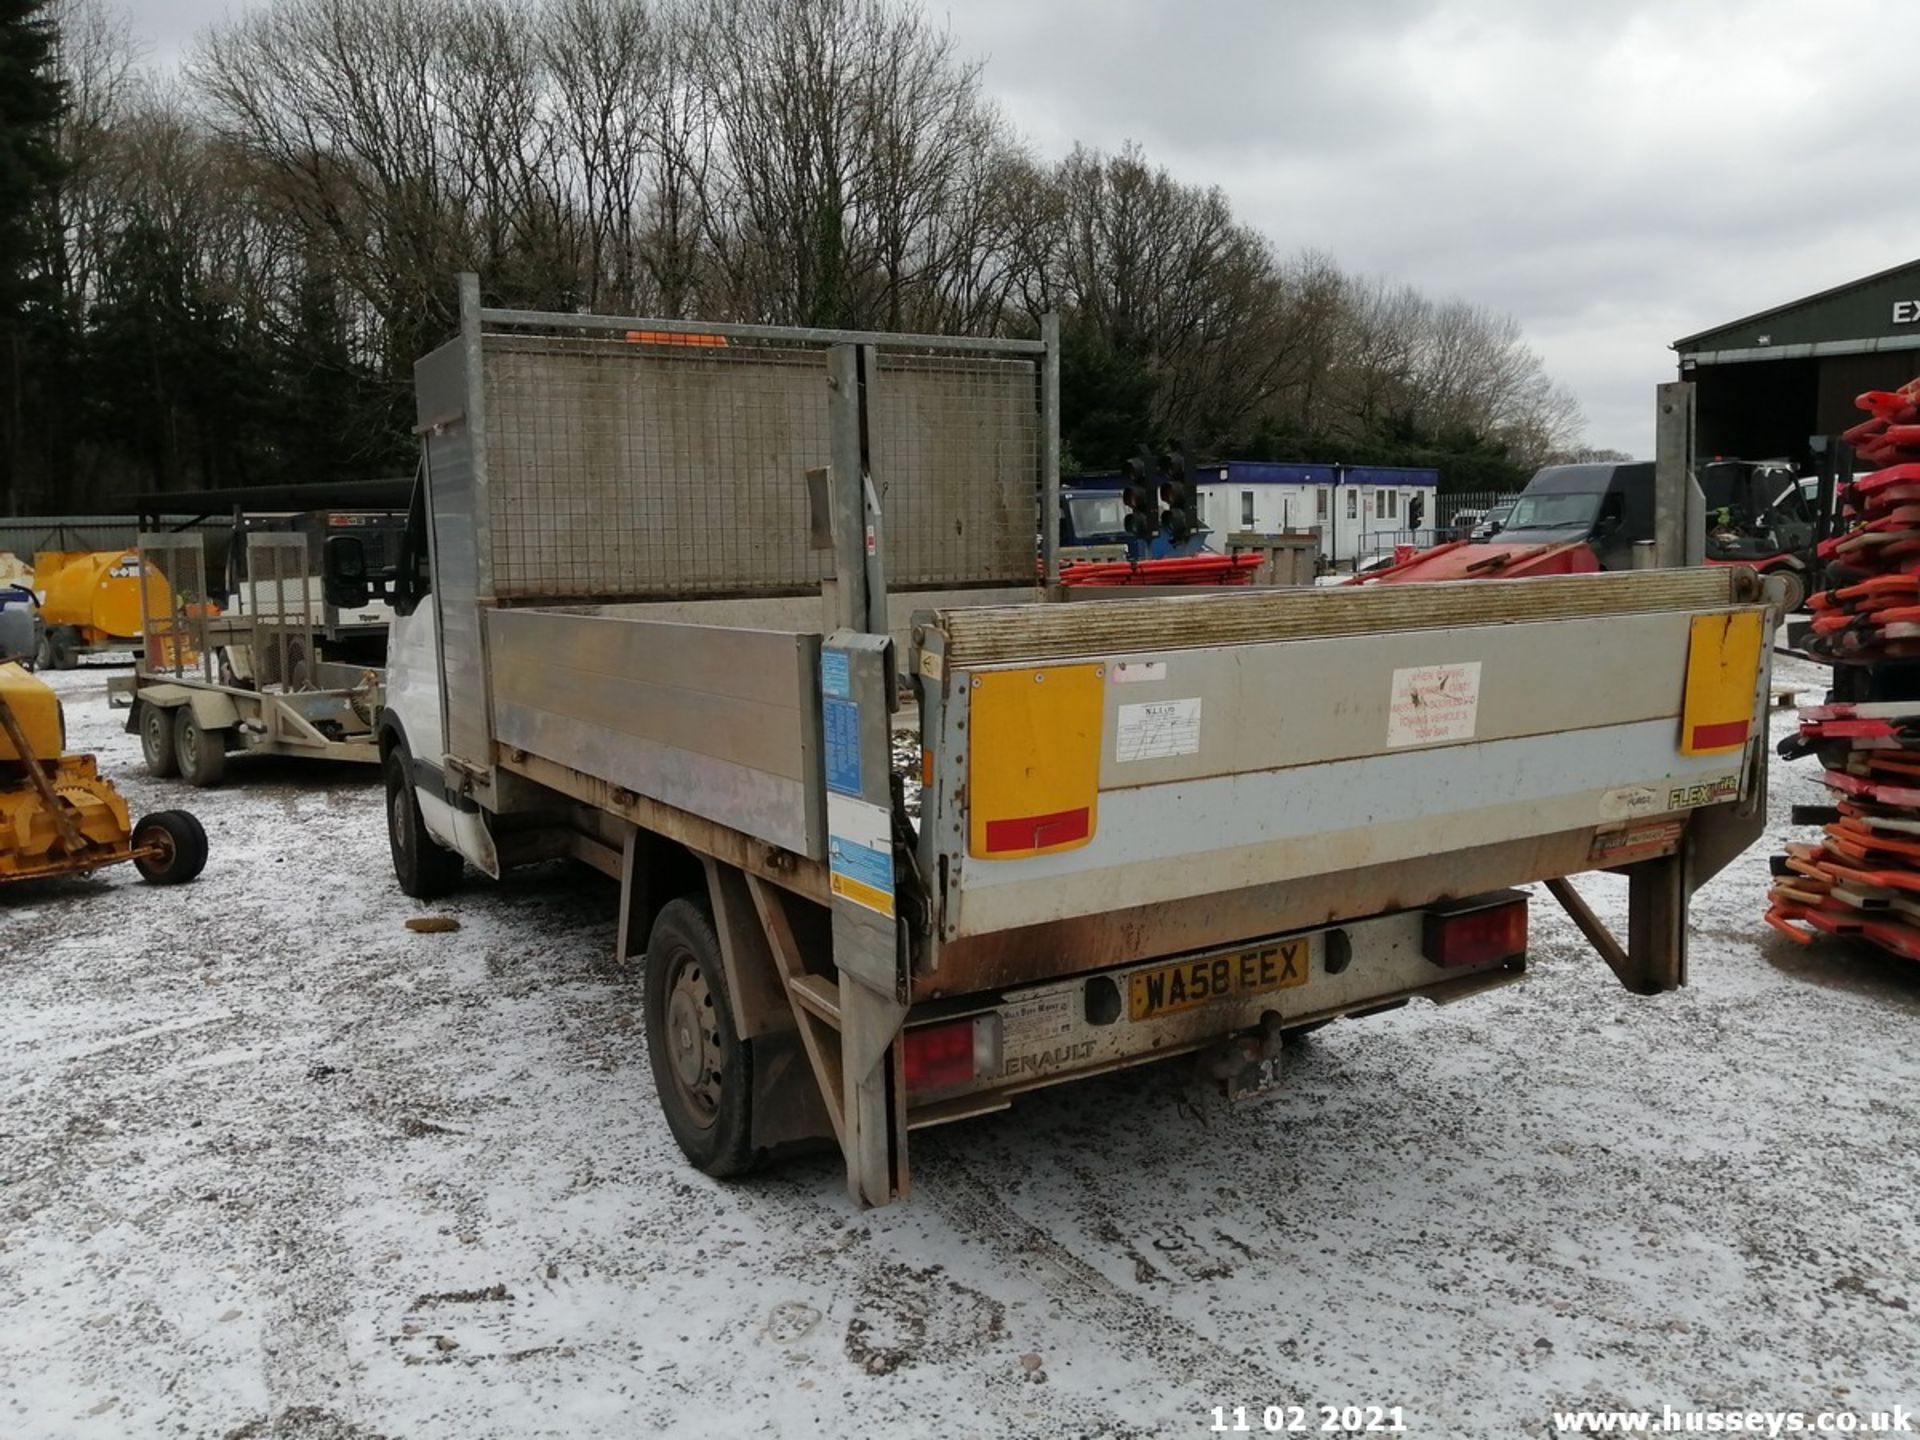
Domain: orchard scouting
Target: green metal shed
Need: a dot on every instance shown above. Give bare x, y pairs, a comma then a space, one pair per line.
1770, 380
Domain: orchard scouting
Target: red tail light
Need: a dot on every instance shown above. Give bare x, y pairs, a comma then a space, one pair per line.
1477, 932
952, 1053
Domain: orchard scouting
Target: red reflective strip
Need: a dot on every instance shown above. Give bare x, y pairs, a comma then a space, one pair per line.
1036, 832
1723, 736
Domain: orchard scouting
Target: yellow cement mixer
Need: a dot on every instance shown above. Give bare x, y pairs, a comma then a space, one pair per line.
90, 603
59, 817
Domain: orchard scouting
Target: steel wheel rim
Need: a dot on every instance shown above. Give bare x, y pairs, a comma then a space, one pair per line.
161, 840
397, 820
190, 745
153, 733
693, 1040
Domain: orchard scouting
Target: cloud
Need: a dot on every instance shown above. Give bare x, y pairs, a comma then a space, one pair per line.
1615, 173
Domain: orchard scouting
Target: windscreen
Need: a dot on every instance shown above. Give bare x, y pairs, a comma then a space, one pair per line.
1554, 512
1095, 516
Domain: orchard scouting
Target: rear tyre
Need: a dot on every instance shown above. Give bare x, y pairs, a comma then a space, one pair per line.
1796, 591
60, 642
425, 868
156, 741
200, 753
702, 1070
178, 845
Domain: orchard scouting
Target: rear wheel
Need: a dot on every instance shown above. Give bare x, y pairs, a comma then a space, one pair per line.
425, 868
59, 643
156, 741
702, 1070
200, 753
175, 846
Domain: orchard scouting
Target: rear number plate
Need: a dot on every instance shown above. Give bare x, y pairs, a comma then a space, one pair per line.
1169, 989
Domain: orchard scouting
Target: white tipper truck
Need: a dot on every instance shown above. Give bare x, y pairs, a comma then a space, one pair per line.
671, 593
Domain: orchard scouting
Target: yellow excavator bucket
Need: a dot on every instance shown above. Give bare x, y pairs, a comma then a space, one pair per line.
37, 709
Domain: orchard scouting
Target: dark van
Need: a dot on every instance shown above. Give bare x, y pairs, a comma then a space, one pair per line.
1609, 506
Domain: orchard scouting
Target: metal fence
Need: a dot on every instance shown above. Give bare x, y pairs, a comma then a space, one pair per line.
1446, 507
29, 535
674, 462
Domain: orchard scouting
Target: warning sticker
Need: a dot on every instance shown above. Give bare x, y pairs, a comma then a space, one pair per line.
860, 853
1157, 730
1432, 703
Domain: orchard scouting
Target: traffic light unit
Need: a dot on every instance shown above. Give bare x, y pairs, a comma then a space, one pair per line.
1143, 512
1181, 517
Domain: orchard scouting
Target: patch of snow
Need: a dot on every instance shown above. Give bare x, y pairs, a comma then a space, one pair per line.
276, 1166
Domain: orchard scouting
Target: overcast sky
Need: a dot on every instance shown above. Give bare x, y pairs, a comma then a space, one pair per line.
1614, 173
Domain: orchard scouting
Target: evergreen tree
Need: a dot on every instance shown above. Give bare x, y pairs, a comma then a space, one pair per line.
31, 103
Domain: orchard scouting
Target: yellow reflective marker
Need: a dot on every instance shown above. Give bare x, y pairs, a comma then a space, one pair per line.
1033, 759
1723, 668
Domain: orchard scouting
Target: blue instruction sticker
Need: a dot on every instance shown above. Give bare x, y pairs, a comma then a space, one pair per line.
834, 678
841, 721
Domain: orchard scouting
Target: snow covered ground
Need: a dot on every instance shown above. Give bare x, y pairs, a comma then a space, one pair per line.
275, 1165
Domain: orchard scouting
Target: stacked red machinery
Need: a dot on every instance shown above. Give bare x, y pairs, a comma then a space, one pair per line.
1173, 570
1862, 877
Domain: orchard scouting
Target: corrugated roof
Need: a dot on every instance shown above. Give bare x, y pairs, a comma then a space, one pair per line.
1801, 303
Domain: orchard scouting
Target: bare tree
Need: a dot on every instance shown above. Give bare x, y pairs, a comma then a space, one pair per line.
330, 163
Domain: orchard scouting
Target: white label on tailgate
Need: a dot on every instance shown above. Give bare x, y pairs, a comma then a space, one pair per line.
1629, 801
1157, 730
1037, 1019
1129, 672
1431, 703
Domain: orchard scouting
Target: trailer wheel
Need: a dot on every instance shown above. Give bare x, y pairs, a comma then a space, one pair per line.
55, 651
180, 845
200, 753
425, 868
156, 741
702, 1070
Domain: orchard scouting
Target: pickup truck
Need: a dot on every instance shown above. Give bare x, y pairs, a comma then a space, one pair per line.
903, 830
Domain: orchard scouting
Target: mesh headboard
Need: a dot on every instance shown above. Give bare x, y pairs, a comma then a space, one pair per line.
633, 467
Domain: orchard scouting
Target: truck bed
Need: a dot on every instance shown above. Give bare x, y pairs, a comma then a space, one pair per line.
1237, 753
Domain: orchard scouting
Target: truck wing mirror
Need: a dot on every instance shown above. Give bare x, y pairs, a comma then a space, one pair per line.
343, 572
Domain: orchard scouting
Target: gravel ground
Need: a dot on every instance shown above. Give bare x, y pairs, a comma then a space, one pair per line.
277, 1166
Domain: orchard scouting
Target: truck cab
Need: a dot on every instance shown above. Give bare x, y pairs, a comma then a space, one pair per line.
1093, 523
1609, 506
1093, 526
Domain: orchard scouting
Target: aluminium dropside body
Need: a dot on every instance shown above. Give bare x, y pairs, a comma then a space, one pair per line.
708, 607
